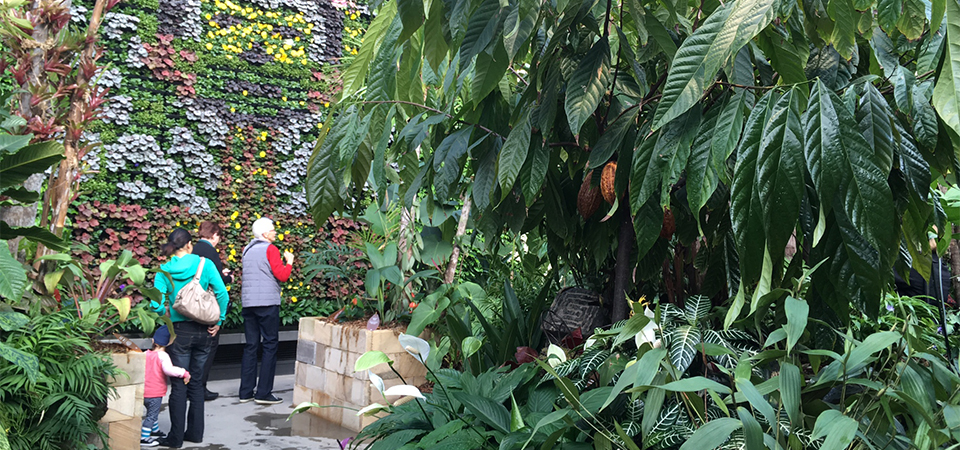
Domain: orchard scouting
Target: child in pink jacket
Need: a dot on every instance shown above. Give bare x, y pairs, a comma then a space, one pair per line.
158, 368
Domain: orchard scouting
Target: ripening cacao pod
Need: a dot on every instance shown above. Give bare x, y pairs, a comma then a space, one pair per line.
669, 224
588, 200
607, 178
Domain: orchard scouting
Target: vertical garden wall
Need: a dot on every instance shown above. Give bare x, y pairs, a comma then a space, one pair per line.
214, 109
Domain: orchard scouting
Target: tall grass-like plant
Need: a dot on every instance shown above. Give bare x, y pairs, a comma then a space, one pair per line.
53, 386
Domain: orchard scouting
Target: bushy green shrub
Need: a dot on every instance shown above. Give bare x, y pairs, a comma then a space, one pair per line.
53, 385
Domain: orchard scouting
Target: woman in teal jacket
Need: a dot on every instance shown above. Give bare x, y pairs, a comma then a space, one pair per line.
194, 340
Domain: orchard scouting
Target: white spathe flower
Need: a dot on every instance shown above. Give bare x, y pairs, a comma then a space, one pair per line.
419, 348
404, 389
372, 409
555, 355
648, 333
377, 382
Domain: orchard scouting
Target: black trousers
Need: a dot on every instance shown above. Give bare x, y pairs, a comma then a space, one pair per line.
261, 327
190, 351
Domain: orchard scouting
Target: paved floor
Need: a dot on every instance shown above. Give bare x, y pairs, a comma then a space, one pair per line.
231, 425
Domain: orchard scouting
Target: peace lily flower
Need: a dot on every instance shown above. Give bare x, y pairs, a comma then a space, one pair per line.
415, 346
648, 333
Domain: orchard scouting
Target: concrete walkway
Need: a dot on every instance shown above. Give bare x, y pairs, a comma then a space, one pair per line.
231, 425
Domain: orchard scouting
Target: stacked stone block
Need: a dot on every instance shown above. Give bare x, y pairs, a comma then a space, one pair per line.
125, 407
326, 356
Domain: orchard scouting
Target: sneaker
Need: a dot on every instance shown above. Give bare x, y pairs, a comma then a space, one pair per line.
271, 400
158, 434
148, 442
245, 400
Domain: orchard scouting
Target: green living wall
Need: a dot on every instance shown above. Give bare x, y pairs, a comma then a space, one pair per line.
214, 109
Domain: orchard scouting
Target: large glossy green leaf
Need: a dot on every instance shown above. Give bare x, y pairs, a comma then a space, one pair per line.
673, 150
12, 320
489, 71
435, 45
847, 176
323, 182
448, 161
702, 55
11, 143
695, 384
876, 124
912, 163
780, 172
539, 160
888, 11
35, 234
745, 210
702, 177
411, 15
912, 19
712, 434
611, 139
587, 84
946, 94
486, 173
513, 155
354, 76
844, 33
16, 167
13, 277
645, 173
481, 28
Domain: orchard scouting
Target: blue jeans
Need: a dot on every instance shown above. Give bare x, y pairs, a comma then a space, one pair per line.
153, 411
190, 351
259, 322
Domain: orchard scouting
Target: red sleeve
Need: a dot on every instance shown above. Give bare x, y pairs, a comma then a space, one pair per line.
281, 271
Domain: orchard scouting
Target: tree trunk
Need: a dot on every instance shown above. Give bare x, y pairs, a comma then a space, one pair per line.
621, 272
60, 194
450, 274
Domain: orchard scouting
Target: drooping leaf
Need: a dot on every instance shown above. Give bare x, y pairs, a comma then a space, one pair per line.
16, 167
946, 93
847, 177
35, 234
587, 84
354, 76
611, 139
876, 125
481, 27
780, 172
702, 55
744, 198
323, 181
513, 155
844, 33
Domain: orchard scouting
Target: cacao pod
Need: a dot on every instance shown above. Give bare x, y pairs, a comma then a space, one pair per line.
669, 224
607, 178
588, 200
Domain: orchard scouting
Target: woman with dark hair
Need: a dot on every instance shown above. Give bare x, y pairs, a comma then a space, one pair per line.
191, 348
207, 247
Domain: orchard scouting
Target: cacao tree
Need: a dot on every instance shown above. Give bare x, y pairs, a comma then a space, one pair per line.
735, 128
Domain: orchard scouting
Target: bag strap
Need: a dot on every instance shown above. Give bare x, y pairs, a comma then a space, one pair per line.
199, 270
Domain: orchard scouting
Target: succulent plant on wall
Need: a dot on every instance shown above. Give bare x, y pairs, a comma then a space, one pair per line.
214, 109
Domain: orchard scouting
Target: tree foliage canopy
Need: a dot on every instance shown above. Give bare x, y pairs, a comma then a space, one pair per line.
748, 121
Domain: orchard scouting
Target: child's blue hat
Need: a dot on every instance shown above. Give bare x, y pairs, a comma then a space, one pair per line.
162, 336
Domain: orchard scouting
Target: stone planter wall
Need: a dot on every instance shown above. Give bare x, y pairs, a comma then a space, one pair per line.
326, 355
125, 408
